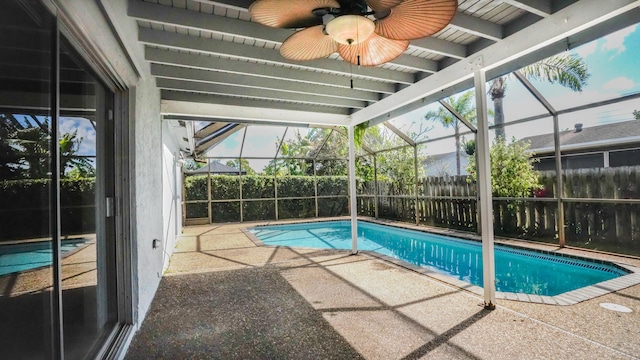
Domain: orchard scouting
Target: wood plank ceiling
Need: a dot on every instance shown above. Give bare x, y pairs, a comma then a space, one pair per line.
211, 62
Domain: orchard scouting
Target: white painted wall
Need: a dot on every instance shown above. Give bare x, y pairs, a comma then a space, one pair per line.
171, 193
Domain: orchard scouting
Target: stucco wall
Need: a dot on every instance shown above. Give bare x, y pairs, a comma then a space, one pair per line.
147, 142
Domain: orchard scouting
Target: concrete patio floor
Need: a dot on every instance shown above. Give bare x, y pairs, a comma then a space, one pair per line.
223, 297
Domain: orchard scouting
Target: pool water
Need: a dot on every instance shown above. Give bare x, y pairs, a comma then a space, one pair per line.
517, 270
21, 257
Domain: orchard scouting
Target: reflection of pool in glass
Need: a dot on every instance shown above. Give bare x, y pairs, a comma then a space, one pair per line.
20, 257
517, 270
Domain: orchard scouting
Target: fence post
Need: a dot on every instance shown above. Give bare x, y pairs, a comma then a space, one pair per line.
209, 214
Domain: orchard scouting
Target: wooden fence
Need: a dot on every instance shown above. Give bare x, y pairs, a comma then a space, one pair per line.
601, 207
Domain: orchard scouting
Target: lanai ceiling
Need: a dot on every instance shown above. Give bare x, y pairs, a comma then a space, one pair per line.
212, 63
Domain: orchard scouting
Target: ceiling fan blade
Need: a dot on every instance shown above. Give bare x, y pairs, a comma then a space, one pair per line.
375, 51
415, 19
382, 5
308, 44
289, 13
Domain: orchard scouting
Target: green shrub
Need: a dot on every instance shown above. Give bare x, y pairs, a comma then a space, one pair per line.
295, 186
258, 187
225, 187
259, 210
512, 171
195, 187
25, 212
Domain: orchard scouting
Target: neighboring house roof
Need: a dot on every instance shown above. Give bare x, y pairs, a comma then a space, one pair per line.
588, 137
216, 167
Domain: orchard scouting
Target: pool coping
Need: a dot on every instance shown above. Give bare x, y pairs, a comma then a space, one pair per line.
565, 299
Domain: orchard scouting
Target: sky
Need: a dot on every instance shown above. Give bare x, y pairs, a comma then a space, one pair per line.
85, 130
68, 125
613, 62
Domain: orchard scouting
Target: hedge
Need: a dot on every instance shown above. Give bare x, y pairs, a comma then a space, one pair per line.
260, 186
24, 209
256, 187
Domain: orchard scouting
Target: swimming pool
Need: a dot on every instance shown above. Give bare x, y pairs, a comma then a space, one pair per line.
20, 257
517, 270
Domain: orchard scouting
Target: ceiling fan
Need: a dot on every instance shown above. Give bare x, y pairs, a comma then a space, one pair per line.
366, 33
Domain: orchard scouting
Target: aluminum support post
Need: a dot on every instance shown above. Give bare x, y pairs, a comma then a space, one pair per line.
375, 186
559, 185
556, 146
484, 189
352, 192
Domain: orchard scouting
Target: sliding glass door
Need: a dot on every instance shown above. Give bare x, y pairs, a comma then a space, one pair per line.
58, 295
26, 258
86, 207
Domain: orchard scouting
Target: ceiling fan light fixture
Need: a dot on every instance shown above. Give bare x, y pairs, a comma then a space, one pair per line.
350, 29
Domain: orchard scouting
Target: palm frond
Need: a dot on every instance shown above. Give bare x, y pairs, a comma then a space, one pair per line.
567, 70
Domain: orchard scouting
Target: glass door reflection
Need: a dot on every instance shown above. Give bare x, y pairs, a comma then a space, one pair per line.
26, 258
86, 172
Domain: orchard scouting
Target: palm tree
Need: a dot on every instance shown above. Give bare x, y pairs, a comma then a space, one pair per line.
69, 146
567, 70
34, 148
9, 156
464, 105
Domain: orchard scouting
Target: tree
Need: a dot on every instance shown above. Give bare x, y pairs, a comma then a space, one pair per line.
512, 172
395, 166
289, 161
636, 114
33, 153
364, 169
327, 146
567, 70
33, 145
248, 170
464, 105
69, 159
9, 166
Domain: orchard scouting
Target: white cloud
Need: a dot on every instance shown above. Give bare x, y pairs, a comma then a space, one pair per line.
615, 42
587, 49
619, 84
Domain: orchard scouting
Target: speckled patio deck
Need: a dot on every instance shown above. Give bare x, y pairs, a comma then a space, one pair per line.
223, 297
